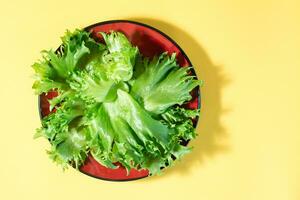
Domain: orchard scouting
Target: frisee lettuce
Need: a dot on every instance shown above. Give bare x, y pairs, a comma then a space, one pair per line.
114, 104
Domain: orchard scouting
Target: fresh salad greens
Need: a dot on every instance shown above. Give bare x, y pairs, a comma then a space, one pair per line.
114, 104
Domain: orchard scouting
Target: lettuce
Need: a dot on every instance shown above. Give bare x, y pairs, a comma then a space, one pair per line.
114, 104
163, 84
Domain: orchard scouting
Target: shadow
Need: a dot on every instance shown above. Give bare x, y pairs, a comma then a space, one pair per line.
212, 136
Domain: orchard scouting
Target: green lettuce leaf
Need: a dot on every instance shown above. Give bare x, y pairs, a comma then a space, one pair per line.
120, 56
54, 69
62, 128
180, 119
163, 84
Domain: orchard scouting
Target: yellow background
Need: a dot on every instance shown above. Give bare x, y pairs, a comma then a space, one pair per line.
247, 52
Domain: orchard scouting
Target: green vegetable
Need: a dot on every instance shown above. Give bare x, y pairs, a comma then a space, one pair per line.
163, 84
114, 104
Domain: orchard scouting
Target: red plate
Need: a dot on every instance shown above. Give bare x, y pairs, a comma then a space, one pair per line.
150, 42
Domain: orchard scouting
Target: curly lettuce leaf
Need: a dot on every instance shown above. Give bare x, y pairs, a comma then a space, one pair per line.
91, 85
54, 69
181, 120
163, 84
120, 56
64, 131
71, 149
102, 136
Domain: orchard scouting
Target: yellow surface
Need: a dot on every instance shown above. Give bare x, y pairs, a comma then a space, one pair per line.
246, 51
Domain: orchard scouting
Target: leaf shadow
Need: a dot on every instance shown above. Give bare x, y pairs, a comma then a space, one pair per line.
212, 137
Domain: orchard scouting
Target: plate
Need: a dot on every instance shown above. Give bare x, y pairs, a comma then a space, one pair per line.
150, 42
